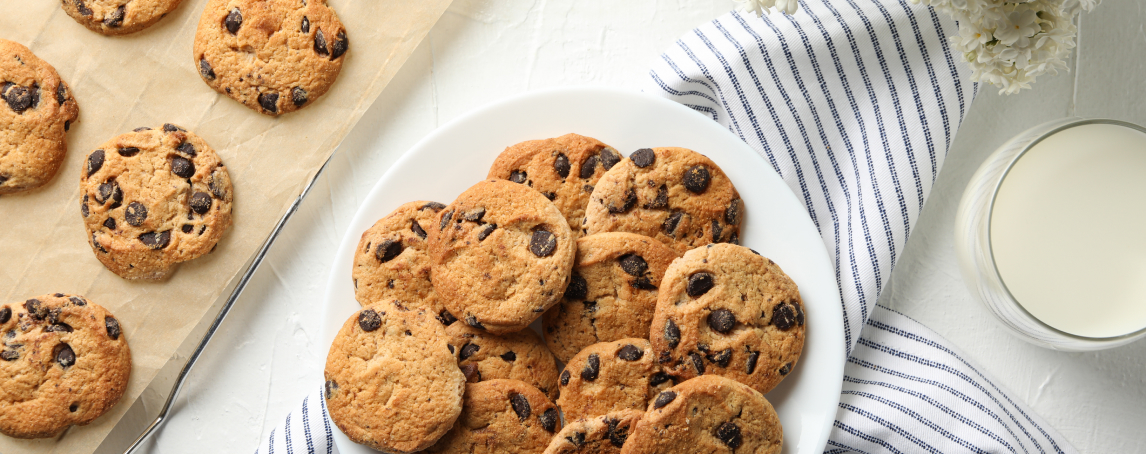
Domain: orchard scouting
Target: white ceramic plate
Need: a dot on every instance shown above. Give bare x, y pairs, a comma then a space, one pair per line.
459, 154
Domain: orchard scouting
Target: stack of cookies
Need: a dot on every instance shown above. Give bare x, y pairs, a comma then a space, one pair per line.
669, 333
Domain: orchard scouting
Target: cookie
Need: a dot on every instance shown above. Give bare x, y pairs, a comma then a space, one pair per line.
675, 195
274, 56
118, 17
611, 376
501, 256
501, 416
391, 383
153, 198
605, 434
611, 295
516, 356
565, 170
725, 310
37, 111
392, 260
65, 361
708, 414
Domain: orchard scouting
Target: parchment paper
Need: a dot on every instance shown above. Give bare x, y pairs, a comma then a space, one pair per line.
147, 79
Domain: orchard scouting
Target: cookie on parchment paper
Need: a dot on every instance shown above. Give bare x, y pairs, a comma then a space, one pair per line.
65, 361
501, 416
274, 56
118, 17
517, 356
153, 198
35, 115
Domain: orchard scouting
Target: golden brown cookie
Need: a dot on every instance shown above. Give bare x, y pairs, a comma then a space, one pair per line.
725, 310
675, 195
392, 260
501, 256
605, 434
501, 417
65, 361
517, 356
118, 17
274, 56
391, 383
37, 111
564, 169
153, 198
611, 376
611, 294
708, 414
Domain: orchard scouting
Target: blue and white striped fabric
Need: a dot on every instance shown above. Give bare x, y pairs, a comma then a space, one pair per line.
855, 103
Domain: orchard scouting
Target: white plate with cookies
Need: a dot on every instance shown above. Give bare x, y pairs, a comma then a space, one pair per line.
775, 223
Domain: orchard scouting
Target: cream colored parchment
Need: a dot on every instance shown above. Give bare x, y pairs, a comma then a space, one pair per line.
147, 79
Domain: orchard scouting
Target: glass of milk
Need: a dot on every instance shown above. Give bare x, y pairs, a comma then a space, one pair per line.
1051, 234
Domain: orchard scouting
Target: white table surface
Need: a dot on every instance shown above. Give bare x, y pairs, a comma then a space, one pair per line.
267, 354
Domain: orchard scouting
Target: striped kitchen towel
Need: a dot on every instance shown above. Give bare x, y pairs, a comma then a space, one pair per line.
855, 103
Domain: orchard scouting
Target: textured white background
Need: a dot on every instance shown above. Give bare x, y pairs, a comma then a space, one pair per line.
267, 354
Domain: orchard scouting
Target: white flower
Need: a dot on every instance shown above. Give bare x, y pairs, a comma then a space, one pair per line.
760, 7
1018, 25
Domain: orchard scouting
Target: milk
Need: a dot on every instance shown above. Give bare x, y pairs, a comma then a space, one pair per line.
1068, 230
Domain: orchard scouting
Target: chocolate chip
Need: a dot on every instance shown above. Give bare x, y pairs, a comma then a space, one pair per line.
785, 369
471, 372
799, 313
331, 387
112, 326
95, 244
205, 70
627, 203
73, 407
269, 102
320, 43
115, 19
155, 240
578, 438
387, 250
661, 200
561, 165
136, 213
475, 214
672, 334
234, 20
590, 306
433, 206
732, 213
83, 9
664, 398
633, 264
109, 223
672, 222
187, 228
78, 301
61, 95
65, 356
550, 195
369, 320
721, 320
84, 210
200, 203
697, 362
110, 192
658, 378
630, 352
700, 283
10, 355
298, 96
696, 179
609, 158
467, 351
5, 314
729, 433
644, 157
59, 328
565, 377
752, 358
187, 149
305, 25
445, 220
67, 125
589, 167
716, 231
486, 231
19, 98
417, 229
549, 420
473, 321
341, 44
182, 167
643, 283
446, 318
217, 185
168, 127
721, 358
592, 368
783, 316
517, 176
520, 405
543, 243
616, 435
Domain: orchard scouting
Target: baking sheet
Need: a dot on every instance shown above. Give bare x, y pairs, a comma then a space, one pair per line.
147, 79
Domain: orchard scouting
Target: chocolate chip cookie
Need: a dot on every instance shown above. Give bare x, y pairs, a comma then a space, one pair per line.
565, 170
604, 434
501, 416
391, 383
611, 294
707, 414
675, 195
153, 198
37, 111
501, 256
518, 356
274, 56
64, 361
725, 310
118, 17
392, 260
611, 376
